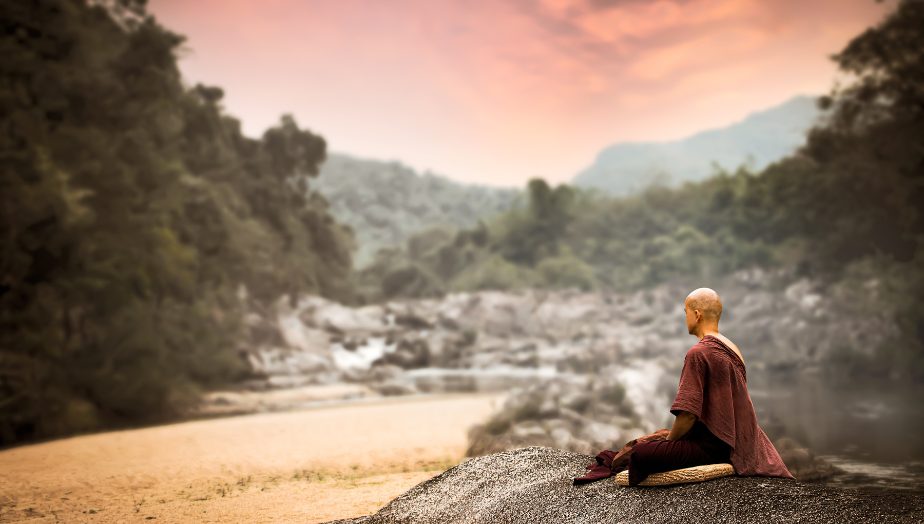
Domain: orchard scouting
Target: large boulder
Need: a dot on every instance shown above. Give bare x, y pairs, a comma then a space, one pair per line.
533, 485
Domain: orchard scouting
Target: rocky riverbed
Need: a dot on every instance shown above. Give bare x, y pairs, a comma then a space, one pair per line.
584, 371
495, 339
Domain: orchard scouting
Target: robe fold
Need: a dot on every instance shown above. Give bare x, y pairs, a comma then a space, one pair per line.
609, 462
713, 386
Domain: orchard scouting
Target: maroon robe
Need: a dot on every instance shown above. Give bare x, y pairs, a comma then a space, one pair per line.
609, 462
713, 386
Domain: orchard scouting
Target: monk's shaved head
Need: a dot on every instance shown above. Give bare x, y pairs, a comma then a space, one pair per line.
707, 301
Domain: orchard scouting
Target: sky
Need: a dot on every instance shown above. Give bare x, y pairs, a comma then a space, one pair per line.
498, 92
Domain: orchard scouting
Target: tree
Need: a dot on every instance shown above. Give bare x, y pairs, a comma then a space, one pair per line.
132, 211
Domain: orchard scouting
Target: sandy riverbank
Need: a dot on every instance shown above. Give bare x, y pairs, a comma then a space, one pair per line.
308, 466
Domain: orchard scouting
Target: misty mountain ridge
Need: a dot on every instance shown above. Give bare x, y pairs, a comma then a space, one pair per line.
757, 141
386, 202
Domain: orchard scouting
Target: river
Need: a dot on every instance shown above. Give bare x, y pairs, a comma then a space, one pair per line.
870, 430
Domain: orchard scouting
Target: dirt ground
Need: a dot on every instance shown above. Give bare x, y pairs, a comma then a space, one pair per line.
308, 466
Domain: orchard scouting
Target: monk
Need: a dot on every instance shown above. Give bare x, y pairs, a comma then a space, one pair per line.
715, 420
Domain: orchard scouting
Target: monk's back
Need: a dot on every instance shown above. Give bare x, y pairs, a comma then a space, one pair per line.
731, 345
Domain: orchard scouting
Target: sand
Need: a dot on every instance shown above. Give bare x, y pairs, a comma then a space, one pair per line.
308, 466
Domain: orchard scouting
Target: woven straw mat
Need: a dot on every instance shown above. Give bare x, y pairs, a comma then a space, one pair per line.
680, 476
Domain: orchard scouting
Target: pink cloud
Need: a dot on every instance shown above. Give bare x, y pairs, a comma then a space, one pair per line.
497, 91
733, 43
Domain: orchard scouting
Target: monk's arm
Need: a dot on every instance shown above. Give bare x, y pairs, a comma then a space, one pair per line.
682, 424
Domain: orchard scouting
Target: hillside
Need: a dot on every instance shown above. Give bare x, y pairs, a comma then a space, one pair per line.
756, 141
386, 202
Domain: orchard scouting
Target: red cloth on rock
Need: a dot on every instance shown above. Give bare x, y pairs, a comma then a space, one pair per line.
713, 386
609, 462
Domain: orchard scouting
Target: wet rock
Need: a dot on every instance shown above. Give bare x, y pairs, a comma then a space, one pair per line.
802, 463
448, 322
413, 321
544, 414
446, 349
410, 354
382, 372
394, 389
533, 485
337, 318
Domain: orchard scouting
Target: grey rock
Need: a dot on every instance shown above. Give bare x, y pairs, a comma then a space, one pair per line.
533, 485
394, 389
802, 463
411, 353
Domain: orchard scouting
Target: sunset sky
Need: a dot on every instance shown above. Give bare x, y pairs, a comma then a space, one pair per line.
496, 92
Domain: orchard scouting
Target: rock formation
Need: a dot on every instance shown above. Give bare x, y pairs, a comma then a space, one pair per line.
533, 485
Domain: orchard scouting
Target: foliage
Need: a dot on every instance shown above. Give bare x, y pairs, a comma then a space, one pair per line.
133, 212
386, 203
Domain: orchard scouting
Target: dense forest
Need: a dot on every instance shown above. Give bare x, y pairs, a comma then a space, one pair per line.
845, 210
139, 224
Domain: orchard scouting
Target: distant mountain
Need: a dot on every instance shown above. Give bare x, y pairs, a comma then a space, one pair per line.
387, 202
757, 141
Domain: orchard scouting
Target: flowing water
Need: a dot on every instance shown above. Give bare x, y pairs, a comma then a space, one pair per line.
872, 431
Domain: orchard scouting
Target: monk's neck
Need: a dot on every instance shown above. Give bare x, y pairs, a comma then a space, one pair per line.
707, 330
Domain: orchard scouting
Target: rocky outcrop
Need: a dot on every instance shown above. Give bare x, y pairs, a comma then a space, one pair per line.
578, 415
590, 415
529, 334
533, 485
802, 463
